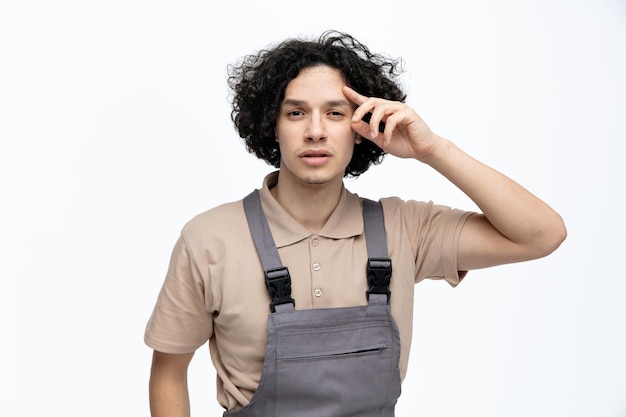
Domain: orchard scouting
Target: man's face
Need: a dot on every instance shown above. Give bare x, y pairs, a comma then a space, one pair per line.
313, 127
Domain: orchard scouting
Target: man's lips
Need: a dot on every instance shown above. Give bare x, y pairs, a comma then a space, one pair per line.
315, 157
314, 154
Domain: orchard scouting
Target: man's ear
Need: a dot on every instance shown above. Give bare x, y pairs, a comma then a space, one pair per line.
358, 139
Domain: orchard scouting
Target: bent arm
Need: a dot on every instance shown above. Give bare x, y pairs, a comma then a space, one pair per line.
169, 396
514, 226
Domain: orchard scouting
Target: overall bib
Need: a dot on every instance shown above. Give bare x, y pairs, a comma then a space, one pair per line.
333, 362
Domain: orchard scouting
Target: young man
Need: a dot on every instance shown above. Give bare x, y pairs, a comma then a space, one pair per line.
329, 335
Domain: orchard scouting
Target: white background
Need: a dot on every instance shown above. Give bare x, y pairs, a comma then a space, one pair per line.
115, 130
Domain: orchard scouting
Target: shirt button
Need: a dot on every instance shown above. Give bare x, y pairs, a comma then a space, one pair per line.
316, 266
314, 242
318, 292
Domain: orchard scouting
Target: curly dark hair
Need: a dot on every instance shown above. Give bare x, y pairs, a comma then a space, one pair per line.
259, 81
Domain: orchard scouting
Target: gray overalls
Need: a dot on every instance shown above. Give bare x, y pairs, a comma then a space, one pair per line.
326, 362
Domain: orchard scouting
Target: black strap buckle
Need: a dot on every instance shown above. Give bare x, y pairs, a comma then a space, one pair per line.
278, 283
378, 276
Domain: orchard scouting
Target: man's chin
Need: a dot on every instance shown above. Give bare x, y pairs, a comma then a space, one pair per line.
315, 180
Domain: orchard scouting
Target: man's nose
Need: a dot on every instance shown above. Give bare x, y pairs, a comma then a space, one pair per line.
315, 130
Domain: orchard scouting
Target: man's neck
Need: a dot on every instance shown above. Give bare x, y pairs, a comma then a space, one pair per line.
309, 204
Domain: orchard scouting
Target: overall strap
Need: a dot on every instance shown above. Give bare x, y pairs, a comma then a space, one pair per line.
277, 278
378, 261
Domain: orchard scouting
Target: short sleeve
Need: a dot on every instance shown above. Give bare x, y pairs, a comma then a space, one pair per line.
181, 321
435, 231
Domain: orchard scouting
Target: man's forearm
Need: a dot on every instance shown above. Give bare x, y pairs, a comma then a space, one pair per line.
168, 397
516, 213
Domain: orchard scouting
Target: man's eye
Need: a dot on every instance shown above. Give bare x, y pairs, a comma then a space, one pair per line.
295, 113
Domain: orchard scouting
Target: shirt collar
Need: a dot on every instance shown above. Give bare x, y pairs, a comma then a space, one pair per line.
344, 222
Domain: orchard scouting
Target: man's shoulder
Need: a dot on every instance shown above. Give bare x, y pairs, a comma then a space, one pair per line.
398, 209
221, 220
390, 203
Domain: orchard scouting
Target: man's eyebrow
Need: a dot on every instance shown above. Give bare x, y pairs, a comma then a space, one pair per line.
330, 103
